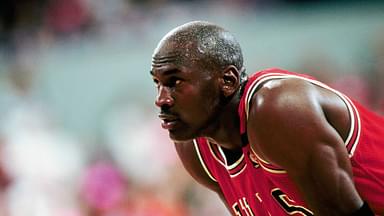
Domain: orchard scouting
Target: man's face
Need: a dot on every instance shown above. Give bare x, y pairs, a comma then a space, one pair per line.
188, 95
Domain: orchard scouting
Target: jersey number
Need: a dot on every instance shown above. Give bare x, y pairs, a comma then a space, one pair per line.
288, 204
242, 206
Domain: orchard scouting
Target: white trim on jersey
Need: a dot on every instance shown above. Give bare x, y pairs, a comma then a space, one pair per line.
225, 163
202, 161
231, 166
233, 175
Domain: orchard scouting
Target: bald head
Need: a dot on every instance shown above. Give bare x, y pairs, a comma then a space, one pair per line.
200, 42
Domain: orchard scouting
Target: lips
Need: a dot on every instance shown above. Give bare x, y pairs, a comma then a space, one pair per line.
168, 121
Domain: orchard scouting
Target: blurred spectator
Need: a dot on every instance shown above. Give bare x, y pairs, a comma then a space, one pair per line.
104, 190
65, 18
355, 86
322, 67
39, 156
317, 62
20, 21
5, 182
5, 178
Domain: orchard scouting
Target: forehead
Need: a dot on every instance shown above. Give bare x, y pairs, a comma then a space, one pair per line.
175, 48
172, 54
163, 62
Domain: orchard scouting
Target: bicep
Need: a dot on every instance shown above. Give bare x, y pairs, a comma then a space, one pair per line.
293, 132
288, 124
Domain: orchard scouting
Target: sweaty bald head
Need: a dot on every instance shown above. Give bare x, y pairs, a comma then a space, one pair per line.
200, 42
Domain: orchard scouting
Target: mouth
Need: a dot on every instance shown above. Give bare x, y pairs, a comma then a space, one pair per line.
169, 122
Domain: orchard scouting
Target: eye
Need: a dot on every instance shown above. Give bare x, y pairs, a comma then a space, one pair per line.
156, 82
174, 81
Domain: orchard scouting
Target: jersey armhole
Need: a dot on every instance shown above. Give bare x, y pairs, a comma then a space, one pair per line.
202, 162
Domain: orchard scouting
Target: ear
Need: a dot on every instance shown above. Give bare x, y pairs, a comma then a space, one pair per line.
230, 80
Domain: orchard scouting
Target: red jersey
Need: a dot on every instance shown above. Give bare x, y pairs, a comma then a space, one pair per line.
252, 186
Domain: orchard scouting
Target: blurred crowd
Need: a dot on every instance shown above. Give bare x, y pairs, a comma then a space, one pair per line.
130, 168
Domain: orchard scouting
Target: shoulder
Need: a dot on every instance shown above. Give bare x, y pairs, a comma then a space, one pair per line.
283, 105
189, 156
280, 96
296, 100
288, 114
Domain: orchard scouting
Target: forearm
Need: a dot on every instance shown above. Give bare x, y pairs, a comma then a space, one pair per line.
327, 185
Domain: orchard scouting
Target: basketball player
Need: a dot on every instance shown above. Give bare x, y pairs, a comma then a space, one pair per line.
272, 143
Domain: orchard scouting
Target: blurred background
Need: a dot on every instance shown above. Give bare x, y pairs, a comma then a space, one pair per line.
79, 133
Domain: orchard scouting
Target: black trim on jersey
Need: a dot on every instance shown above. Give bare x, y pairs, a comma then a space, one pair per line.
242, 87
244, 139
281, 197
365, 210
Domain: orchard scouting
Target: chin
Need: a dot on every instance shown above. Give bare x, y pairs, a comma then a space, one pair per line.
178, 136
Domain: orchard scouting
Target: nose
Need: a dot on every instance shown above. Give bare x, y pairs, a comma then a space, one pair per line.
164, 97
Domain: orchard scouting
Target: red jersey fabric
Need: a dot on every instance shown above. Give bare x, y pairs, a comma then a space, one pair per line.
252, 186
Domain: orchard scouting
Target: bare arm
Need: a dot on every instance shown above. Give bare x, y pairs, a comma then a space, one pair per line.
188, 156
300, 127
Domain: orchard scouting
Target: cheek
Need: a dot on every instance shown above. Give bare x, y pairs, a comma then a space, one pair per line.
192, 103
210, 97
204, 103
197, 102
